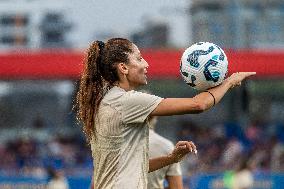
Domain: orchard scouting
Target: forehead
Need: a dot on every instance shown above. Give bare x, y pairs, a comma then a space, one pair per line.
135, 49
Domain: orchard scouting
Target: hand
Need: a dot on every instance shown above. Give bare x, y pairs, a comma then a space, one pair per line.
236, 78
181, 149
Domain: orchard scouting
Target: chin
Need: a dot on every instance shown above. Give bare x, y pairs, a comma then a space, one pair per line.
145, 82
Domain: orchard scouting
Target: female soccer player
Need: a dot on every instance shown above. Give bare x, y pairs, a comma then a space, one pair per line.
114, 115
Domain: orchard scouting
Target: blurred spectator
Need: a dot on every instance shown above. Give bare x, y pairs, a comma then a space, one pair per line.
242, 177
219, 146
57, 180
159, 146
277, 157
232, 151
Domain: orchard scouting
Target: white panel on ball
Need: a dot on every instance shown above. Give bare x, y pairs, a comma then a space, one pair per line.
203, 65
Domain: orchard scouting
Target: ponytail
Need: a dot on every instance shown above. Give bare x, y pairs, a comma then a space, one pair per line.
91, 88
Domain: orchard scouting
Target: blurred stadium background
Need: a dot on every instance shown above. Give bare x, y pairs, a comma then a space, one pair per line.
42, 45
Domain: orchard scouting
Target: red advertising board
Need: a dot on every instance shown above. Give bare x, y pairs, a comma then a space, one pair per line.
163, 63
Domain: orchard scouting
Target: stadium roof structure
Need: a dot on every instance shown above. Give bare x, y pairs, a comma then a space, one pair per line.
163, 63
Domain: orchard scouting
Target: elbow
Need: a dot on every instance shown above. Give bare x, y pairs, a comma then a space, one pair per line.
200, 106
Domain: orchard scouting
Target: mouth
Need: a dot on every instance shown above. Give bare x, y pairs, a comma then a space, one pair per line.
145, 74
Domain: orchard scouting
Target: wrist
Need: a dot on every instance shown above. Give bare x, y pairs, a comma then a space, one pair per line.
227, 83
173, 158
214, 100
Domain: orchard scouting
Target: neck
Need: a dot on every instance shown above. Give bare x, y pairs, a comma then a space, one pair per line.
124, 86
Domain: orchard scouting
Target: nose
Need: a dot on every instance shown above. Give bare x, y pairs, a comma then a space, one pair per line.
146, 64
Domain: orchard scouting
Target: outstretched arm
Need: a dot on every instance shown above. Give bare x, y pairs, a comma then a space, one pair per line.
181, 149
202, 101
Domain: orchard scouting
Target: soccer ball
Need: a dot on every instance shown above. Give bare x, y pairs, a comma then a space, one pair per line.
203, 65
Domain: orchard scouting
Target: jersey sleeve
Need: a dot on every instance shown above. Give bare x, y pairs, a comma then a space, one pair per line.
137, 106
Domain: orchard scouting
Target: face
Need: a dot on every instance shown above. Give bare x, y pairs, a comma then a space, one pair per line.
137, 69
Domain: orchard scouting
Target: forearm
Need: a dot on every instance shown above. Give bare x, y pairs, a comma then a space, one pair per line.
218, 92
160, 162
200, 103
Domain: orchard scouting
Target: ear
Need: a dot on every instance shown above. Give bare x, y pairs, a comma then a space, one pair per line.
123, 68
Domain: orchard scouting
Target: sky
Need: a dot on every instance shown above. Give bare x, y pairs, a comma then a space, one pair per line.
123, 17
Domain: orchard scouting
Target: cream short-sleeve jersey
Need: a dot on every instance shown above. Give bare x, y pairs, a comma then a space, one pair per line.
120, 141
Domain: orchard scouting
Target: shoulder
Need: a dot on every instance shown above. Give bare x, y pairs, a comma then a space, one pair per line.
134, 99
140, 96
128, 96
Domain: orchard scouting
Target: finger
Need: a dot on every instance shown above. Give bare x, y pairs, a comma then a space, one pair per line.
182, 147
244, 74
190, 146
181, 143
193, 147
247, 74
186, 146
251, 73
